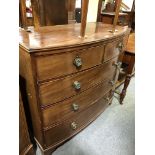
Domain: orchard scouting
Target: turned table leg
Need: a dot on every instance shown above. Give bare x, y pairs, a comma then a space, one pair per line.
128, 77
126, 83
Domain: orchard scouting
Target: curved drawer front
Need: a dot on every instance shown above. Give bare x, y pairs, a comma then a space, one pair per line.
113, 49
61, 89
70, 107
68, 128
56, 65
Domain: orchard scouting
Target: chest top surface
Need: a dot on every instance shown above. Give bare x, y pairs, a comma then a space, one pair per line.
57, 37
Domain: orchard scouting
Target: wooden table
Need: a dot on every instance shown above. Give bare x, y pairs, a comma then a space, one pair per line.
108, 17
129, 58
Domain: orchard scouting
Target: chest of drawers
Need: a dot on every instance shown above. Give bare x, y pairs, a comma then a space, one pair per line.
69, 80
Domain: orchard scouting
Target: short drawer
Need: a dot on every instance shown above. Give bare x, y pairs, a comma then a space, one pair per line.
52, 66
60, 89
113, 49
71, 127
70, 107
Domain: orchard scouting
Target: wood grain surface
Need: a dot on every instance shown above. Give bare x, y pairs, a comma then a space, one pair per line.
64, 131
60, 89
64, 110
52, 66
61, 36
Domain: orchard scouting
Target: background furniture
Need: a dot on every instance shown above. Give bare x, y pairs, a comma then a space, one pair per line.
47, 12
125, 17
52, 12
25, 145
108, 18
128, 66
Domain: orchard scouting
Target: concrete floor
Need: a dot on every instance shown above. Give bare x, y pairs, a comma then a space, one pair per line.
113, 132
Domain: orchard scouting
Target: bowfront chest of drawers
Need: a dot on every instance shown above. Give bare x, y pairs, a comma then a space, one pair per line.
69, 80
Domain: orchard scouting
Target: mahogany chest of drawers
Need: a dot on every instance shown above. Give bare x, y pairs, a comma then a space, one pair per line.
69, 80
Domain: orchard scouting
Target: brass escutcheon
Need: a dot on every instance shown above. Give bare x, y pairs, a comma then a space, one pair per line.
75, 107
73, 125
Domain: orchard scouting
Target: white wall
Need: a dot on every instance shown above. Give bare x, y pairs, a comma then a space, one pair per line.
128, 3
92, 10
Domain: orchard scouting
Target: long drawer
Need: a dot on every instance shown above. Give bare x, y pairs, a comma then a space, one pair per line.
70, 107
52, 66
60, 89
69, 128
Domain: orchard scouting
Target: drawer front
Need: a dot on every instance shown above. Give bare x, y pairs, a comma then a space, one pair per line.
69, 128
113, 49
61, 89
56, 65
70, 107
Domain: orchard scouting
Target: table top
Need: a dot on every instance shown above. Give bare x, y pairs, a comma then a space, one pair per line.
60, 36
131, 44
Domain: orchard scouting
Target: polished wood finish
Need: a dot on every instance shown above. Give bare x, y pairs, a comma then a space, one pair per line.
64, 131
52, 66
84, 17
53, 91
26, 72
112, 50
131, 44
60, 112
47, 63
25, 145
39, 40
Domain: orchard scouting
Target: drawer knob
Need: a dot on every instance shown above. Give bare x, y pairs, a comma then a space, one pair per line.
73, 125
78, 62
112, 82
76, 85
75, 107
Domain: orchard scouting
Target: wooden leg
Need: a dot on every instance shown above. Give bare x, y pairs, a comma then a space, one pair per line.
126, 83
128, 77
